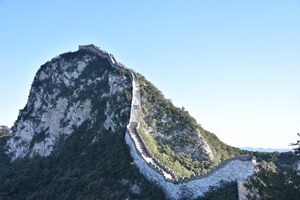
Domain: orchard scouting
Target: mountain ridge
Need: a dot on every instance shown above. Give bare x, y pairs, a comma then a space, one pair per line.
265, 149
86, 94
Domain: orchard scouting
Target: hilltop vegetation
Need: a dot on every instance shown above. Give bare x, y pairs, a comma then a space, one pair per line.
77, 171
4, 130
91, 159
276, 177
174, 136
93, 162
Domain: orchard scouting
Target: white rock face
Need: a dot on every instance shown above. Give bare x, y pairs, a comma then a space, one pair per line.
18, 145
109, 123
115, 84
190, 188
205, 147
58, 104
76, 114
192, 140
135, 189
49, 115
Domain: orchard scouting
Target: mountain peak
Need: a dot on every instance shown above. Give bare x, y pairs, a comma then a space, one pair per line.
65, 93
79, 99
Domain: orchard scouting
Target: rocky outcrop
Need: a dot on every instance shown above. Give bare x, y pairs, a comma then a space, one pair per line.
172, 126
71, 90
65, 93
242, 191
238, 168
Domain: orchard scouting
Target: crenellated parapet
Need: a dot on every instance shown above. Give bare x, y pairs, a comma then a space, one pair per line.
238, 168
93, 48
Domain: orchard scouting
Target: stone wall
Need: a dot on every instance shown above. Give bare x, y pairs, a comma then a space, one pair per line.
232, 170
238, 168
93, 48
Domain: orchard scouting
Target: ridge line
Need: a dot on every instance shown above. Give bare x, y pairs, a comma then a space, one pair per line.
134, 122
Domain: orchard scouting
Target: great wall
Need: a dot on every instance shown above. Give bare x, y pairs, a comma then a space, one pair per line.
237, 169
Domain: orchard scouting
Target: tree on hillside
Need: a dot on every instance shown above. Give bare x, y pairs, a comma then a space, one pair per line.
4, 130
268, 183
297, 150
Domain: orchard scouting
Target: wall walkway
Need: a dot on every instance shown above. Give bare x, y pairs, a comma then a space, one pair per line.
238, 168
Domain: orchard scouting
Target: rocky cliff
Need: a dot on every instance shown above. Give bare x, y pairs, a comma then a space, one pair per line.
82, 108
66, 92
85, 85
68, 141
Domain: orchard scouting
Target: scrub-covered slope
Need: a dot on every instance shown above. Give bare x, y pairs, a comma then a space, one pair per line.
174, 136
68, 91
68, 141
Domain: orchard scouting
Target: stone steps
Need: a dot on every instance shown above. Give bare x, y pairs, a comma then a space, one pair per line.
143, 152
237, 168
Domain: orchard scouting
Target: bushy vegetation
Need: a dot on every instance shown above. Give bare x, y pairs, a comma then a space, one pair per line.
4, 130
279, 159
39, 137
270, 183
79, 170
160, 114
156, 111
227, 191
276, 177
90, 163
220, 150
167, 155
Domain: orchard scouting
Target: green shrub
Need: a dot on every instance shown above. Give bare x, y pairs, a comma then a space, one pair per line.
156, 109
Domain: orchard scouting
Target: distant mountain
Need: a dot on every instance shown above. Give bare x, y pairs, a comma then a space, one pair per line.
265, 150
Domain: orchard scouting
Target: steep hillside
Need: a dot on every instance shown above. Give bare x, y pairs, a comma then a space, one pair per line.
68, 141
77, 170
175, 137
68, 91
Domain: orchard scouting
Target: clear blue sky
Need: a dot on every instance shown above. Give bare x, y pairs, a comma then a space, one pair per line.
234, 65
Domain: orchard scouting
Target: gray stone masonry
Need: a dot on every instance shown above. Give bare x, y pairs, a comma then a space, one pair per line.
134, 121
238, 168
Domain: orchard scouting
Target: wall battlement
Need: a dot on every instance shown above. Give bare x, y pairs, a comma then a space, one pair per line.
238, 168
93, 48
